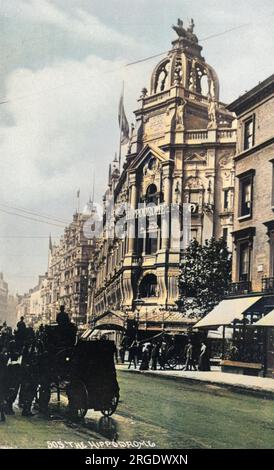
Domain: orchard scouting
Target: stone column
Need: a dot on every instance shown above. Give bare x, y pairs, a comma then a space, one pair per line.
131, 223
167, 183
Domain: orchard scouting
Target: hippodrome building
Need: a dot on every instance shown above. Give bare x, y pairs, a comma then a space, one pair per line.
181, 150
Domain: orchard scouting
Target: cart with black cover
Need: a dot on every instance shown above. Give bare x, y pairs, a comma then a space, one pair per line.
93, 383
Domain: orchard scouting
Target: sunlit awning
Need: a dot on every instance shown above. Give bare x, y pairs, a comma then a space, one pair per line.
219, 334
227, 311
267, 320
86, 333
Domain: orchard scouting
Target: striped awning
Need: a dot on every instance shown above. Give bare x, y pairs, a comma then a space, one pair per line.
227, 311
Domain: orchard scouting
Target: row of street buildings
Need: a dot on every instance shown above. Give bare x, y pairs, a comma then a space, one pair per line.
192, 161
8, 303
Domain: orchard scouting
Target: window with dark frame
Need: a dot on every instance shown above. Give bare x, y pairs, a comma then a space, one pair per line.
226, 198
244, 261
249, 133
225, 233
246, 196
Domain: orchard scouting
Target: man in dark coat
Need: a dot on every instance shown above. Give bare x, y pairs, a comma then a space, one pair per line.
21, 333
29, 378
155, 356
62, 317
189, 364
133, 354
13, 377
3, 368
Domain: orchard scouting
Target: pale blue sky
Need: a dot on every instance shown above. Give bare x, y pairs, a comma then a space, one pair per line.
61, 69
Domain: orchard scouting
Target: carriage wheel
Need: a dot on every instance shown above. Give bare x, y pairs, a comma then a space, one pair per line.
78, 398
112, 407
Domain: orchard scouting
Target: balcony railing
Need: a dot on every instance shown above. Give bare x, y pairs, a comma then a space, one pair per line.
240, 287
268, 284
197, 135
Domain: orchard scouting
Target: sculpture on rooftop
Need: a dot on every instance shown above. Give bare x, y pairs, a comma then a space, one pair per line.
185, 33
179, 29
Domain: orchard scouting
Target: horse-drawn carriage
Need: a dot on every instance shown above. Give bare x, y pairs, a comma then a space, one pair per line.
84, 370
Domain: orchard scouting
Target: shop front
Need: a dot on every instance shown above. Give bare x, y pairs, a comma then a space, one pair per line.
247, 335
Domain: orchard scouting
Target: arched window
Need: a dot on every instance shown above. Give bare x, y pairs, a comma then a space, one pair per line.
148, 286
151, 194
161, 76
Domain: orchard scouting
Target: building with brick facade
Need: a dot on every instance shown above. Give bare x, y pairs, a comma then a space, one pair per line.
180, 152
253, 231
252, 292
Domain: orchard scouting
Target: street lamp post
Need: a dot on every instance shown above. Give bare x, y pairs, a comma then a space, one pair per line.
137, 320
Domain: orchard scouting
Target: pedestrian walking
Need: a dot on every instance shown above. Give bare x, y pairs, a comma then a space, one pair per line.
162, 355
189, 364
21, 334
204, 360
13, 377
145, 357
29, 382
123, 348
155, 356
133, 354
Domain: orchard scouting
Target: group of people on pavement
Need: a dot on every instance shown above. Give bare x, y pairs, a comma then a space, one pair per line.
155, 354
25, 365
17, 367
203, 359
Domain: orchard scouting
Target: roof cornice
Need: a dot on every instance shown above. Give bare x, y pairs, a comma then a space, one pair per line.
253, 96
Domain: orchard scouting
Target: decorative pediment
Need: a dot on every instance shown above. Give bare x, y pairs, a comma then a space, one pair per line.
195, 157
151, 156
194, 183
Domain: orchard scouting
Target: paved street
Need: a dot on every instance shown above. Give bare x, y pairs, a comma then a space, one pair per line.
262, 386
169, 413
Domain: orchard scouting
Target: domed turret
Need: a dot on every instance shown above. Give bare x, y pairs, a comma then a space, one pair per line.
185, 67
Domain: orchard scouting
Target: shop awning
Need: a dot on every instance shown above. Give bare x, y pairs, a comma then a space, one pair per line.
267, 320
218, 334
227, 311
86, 333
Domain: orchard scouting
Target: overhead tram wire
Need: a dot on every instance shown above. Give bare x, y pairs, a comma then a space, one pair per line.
129, 64
201, 40
39, 214
58, 222
31, 218
28, 237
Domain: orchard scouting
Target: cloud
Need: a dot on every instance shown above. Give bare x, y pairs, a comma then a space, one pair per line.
64, 124
80, 23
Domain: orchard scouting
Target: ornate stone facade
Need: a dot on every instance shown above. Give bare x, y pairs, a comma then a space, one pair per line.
181, 151
67, 279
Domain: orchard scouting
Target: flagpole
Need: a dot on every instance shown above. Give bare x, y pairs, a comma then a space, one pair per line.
93, 185
120, 138
78, 201
120, 151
